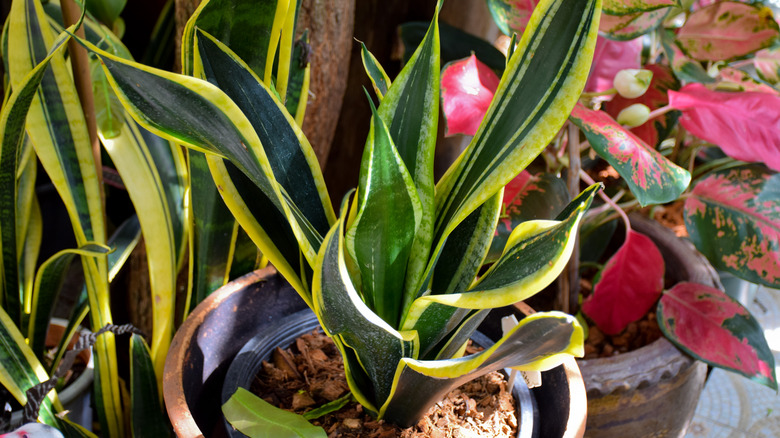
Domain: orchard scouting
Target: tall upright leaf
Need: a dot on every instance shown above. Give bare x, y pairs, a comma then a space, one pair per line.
410, 109
531, 104
56, 127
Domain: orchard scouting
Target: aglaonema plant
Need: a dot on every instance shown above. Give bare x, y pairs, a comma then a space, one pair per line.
396, 277
669, 130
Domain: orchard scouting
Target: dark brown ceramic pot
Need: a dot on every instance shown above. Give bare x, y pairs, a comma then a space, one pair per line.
652, 391
212, 335
207, 342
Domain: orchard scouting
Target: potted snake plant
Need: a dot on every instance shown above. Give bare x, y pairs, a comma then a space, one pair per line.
394, 278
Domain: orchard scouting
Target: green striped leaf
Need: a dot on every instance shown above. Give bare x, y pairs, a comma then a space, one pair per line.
539, 342
48, 282
20, 370
122, 243
389, 214
252, 29
355, 327
536, 253
376, 73
733, 218
534, 98
146, 411
291, 157
410, 109
135, 163
212, 123
298, 84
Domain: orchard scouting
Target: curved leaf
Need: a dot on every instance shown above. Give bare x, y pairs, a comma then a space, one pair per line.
733, 218
767, 63
628, 27
715, 328
536, 253
257, 418
732, 79
356, 329
684, 67
512, 16
727, 30
535, 95
623, 7
630, 284
528, 197
467, 88
376, 73
653, 179
455, 44
538, 342
657, 129
20, 370
746, 125
48, 282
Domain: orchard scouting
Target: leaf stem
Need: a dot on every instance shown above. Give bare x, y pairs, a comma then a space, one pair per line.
585, 177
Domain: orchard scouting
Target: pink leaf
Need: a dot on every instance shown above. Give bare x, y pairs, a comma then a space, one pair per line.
727, 30
717, 329
630, 26
467, 87
609, 58
767, 63
745, 125
631, 282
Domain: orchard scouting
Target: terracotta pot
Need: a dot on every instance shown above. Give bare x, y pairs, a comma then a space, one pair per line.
209, 339
652, 391
249, 361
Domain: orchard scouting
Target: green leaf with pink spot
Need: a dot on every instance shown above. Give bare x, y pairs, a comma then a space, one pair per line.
623, 7
652, 178
733, 218
630, 26
713, 327
727, 30
512, 15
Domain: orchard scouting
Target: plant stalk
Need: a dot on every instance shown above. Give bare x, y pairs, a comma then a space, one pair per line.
570, 283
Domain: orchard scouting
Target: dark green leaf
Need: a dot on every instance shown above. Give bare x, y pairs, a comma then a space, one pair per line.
455, 44
147, 413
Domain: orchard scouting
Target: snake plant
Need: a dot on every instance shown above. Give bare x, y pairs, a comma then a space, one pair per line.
396, 278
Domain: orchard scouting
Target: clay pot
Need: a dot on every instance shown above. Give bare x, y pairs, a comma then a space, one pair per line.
652, 391
208, 340
249, 360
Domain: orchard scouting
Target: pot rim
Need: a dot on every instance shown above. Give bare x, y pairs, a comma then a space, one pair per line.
173, 390
248, 362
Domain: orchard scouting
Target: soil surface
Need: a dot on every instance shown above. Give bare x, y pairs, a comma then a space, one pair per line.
310, 374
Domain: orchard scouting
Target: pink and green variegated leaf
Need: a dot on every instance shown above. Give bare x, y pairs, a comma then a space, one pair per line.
732, 79
528, 197
631, 282
767, 63
655, 130
652, 178
733, 218
512, 15
467, 88
684, 67
623, 7
746, 125
628, 27
717, 329
727, 30
609, 58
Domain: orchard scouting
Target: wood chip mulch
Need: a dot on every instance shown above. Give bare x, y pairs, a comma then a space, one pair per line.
311, 373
